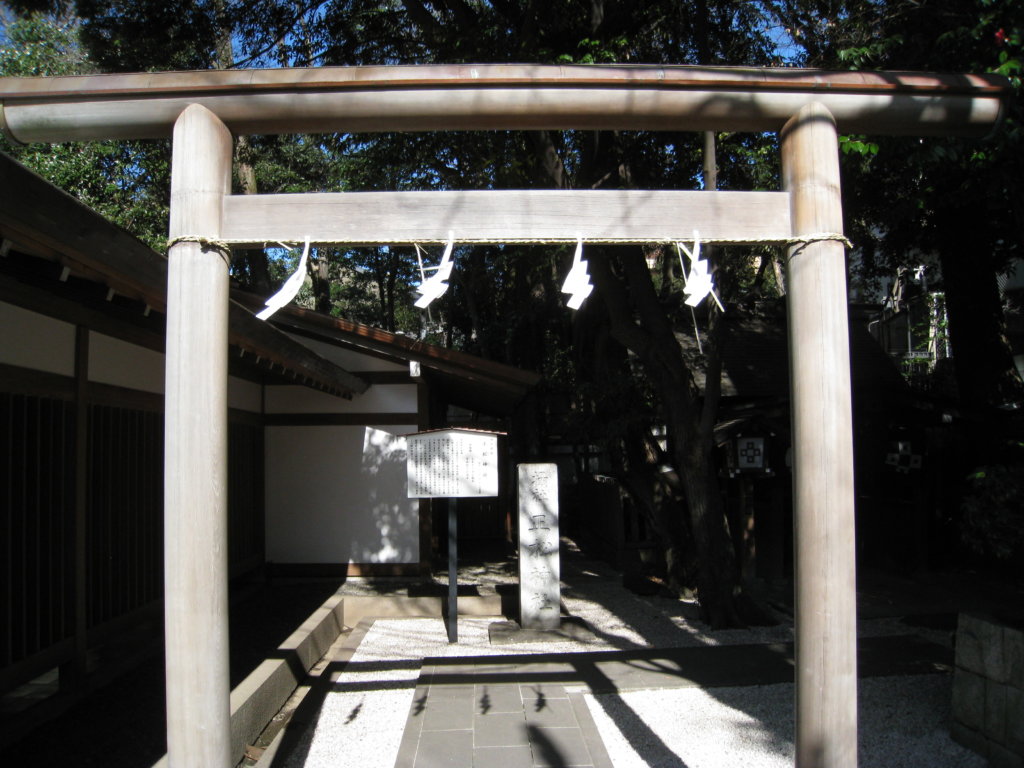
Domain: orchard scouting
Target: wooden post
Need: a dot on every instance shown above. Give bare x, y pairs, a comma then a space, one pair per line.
453, 571
195, 451
826, 621
73, 675
423, 411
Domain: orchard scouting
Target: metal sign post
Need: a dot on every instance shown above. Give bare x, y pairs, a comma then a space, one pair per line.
453, 572
452, 464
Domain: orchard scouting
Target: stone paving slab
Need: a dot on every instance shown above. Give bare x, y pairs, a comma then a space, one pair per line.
510, 724
498, 699
528, 710
544, 712
500, 729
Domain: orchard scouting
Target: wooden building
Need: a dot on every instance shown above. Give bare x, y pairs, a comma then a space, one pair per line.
316, 405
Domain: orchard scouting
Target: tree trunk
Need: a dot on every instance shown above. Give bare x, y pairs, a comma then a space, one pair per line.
320, 273
717, 576
640, 323
390, 288
257, 266
985, 372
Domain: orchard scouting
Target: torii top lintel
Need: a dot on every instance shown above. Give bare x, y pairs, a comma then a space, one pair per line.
496, 96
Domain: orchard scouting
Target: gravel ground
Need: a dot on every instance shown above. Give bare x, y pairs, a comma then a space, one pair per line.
904, 720
903, 723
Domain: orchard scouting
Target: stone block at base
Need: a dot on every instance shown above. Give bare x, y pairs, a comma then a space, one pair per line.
1015, 719
988, 693
570, 628
1013, 656
995, 711
969, 738
969, 699
998, 757
969, 638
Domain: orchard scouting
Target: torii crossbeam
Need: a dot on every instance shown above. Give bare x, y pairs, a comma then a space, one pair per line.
204, 109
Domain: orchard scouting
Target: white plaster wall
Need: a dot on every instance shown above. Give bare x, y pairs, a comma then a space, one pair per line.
379, 398
112, 361
244, 395
31, 340
338, 495
348, 359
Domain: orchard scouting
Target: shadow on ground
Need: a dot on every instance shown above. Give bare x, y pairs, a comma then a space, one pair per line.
121, 725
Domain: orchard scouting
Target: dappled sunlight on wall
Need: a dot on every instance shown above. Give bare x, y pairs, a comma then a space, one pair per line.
383, 475
337, 494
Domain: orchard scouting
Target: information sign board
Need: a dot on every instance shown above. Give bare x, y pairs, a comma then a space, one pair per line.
452, 463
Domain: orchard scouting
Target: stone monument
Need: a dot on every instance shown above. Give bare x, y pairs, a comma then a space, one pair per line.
539, 563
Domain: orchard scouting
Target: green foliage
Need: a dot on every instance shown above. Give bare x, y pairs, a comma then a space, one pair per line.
39, 46
993, 509
863, 56
125, 182
857, 145
906, 194
373, 286
146, 35
957, 200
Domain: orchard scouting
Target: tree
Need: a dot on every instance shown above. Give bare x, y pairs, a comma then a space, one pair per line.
126, 182
961, 199
641, 318
505, 301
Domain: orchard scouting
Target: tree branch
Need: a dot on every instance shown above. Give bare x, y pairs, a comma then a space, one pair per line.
464, 15
550, 161
299, 15
423, 18
613, 295
508, 10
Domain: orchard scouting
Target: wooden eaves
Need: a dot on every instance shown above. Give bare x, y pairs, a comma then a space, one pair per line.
468, 381
43, 221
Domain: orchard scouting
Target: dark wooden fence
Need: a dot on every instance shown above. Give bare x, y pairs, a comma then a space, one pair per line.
121, 556
124, 513
37, 482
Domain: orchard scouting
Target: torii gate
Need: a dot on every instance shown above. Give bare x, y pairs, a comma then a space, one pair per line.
205, 109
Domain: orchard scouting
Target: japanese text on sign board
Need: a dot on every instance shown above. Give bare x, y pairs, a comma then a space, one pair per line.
452, 465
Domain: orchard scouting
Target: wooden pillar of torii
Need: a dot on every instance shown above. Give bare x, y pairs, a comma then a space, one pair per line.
195, 449
823, 492
805, 106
